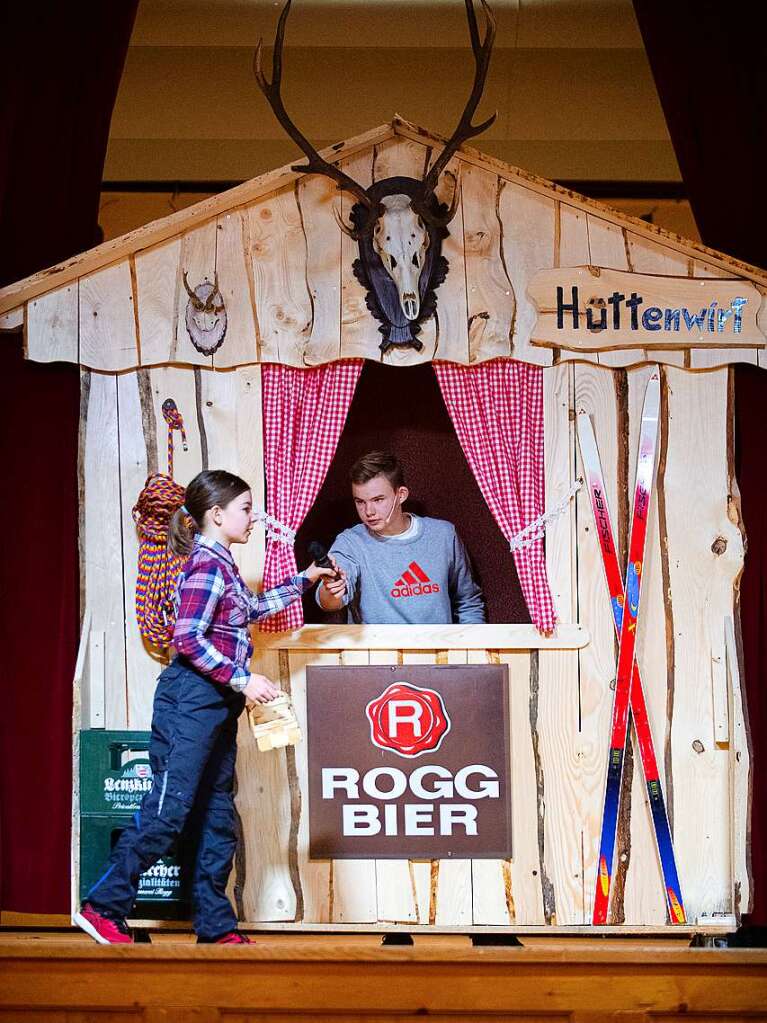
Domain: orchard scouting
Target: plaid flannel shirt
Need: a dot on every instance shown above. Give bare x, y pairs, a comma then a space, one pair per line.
214, 608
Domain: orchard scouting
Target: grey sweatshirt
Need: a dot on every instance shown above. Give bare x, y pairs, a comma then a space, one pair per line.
421, 577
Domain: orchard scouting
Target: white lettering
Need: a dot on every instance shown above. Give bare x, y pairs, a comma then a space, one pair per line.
441, 789
460, 814
390, 819
418, 818
397, 715
484, 790
345, 778
398, 780
360, 820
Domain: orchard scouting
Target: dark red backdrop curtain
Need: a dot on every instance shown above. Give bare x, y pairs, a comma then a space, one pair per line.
59, 74
710, 66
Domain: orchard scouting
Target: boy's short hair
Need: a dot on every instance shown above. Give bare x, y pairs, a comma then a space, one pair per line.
378, 463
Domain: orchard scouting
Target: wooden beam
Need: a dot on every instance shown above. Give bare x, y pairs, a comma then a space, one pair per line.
422, 637
329, 978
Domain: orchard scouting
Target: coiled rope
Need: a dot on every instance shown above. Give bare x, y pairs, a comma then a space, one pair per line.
158, 566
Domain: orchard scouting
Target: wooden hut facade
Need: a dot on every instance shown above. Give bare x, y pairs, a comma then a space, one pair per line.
284, 272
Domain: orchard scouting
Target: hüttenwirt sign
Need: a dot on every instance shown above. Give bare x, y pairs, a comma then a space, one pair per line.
593, 309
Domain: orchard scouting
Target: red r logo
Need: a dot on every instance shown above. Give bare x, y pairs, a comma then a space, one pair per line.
408, 720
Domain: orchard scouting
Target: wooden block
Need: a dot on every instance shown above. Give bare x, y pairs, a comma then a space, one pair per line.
705, 558
595, 395
528, 227
317, 196
278, 254
274, 724
158, 283
12, 319
489, 290
94, 713
107, 323
452, 313
740, 776
264, 878
101, 536
52, 327
354, 886
566, 636
359, 331
240, 344
719, 693
315, 877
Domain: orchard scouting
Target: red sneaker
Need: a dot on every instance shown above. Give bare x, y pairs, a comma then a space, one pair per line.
104, 929
232, 938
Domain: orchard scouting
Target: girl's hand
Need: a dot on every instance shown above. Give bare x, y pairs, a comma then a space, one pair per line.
260, 690
314, 572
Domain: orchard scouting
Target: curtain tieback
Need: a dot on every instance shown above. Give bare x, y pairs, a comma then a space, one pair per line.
277, 531
536, 529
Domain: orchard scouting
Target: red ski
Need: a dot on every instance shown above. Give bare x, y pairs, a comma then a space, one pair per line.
614, 580
648, 436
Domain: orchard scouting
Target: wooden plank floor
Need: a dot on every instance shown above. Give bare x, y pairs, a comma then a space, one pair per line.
63, 977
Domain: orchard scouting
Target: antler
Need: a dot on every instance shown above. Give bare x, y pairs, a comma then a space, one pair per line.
196, 302
465, 129
316, 164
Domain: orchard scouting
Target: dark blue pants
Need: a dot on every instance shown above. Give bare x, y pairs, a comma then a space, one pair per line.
192, 752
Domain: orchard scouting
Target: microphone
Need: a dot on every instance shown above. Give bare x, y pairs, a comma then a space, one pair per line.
319, 556
395, 502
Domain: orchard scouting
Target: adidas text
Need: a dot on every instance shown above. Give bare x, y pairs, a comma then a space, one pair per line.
415, 591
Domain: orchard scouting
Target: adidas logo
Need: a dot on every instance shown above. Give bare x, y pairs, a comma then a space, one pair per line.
414, 582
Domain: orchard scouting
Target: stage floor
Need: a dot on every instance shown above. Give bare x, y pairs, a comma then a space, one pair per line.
62, 976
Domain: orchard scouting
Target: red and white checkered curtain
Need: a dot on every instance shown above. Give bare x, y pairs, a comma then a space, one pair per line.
497, 410
304, 413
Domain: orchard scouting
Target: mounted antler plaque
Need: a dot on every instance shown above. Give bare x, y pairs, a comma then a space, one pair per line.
398, 223
205, 316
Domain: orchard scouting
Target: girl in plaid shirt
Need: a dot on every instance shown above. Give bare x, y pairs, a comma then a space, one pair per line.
198, 700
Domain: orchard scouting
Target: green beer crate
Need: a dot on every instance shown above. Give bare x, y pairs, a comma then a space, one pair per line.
114, 771
162, 892
115, 775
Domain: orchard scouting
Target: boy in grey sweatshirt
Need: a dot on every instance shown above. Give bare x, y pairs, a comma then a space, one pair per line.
395, 567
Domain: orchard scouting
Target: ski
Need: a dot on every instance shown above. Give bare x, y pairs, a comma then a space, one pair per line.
629, 611
601, 514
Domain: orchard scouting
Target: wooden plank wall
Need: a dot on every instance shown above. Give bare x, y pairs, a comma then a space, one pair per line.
284, 269
560, 699
123, 439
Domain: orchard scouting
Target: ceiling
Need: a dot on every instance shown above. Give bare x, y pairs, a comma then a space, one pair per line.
570, 80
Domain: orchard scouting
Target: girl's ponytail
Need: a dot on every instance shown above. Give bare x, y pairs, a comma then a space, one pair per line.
181, 530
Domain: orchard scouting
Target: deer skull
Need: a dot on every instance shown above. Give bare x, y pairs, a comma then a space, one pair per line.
400, 238
205, 316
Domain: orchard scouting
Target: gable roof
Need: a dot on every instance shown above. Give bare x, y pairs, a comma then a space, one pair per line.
582, 231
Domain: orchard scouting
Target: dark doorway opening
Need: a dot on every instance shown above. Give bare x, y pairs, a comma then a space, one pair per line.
400, 409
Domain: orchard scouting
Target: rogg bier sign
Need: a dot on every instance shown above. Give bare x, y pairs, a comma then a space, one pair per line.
409, 761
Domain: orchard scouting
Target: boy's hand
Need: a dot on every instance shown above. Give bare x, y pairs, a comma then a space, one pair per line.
260, 689
314, 572
336, 585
